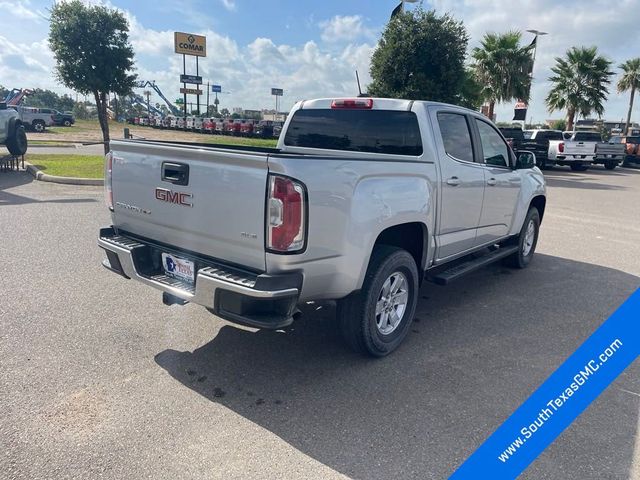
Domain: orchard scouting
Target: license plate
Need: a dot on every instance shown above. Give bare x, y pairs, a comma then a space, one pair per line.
178, 268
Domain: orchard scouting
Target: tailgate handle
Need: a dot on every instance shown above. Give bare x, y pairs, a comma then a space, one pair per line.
176, 173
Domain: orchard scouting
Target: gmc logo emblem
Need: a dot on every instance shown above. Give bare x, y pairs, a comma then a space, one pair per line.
178, 198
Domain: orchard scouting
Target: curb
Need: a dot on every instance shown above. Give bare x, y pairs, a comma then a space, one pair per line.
43, 177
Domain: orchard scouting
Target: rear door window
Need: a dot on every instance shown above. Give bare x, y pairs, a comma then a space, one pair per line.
456, 136
374, 131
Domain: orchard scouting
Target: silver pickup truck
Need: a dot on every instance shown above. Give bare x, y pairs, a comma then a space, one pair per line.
361, 200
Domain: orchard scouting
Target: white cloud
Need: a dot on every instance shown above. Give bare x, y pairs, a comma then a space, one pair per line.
21, 9
343, 28
229, 4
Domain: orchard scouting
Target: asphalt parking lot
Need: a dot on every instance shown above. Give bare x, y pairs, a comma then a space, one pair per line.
99, 379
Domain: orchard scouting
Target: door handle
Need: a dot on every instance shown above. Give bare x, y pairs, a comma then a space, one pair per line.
453, 181
176, 173
492, 182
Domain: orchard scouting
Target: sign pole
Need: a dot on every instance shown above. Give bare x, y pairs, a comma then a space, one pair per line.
207, 99
184, 72
197, 96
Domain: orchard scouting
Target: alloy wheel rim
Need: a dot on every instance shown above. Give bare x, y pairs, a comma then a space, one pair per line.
392, 303
529, 237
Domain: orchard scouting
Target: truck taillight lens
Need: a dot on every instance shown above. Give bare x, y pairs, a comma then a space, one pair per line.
286, 215
108, 177
561, 147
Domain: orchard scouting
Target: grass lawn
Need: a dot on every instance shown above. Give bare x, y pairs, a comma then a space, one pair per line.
80, 166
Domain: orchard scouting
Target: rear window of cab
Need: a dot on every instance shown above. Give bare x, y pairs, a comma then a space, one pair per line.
390, 132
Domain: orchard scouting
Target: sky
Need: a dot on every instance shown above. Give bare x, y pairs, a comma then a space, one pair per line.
311, 49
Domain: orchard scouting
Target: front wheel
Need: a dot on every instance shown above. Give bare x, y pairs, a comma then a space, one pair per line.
526, 240
377, 319
67, 123
38, 126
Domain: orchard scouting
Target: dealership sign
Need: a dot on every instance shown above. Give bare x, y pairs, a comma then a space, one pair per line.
191, 91
194, 79
277, 91
216, 88
190, 44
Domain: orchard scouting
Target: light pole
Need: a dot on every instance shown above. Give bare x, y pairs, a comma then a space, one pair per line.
537, 34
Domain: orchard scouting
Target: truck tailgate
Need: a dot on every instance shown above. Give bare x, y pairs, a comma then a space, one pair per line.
573, 148
217, 210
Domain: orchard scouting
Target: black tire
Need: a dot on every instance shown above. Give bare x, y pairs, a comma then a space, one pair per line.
67, 123
610, 165
520, 259
541, 163
357, 312
38, 125
579, 167
17, 144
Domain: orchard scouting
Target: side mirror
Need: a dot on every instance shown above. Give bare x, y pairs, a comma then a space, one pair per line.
525, 160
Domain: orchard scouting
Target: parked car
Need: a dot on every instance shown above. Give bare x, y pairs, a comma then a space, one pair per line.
362, 199
37, 119
610, 154
514, 136
12, 134
632, 148
65, 119
537, 141
197, 124
576, 149
209, 125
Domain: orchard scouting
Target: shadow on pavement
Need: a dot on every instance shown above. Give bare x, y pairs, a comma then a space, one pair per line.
589, 180
477, 350
14, 179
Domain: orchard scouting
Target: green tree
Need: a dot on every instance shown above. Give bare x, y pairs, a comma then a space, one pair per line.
559, 125
630, 81
502, 66
93, 55
420, 57
580, 82
470, 92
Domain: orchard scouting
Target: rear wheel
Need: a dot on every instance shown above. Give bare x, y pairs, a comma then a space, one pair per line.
610, 165
377, 319
579, 167
17, 144
38, 125
526, 240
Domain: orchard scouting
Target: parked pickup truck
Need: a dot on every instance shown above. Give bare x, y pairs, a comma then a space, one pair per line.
37, 119
576, 149
361, 200
610, 154
537, 141
631, 146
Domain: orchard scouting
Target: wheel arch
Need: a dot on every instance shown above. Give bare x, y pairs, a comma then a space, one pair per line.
540, 203
411, 236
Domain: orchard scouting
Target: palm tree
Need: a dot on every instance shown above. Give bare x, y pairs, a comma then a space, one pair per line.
503, 66
630, 80
580, 82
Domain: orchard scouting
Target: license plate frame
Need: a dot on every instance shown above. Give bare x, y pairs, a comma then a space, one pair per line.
178, 267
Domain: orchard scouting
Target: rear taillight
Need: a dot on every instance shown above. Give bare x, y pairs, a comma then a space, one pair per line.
286, 212
108, 177
365, 103
561, 147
